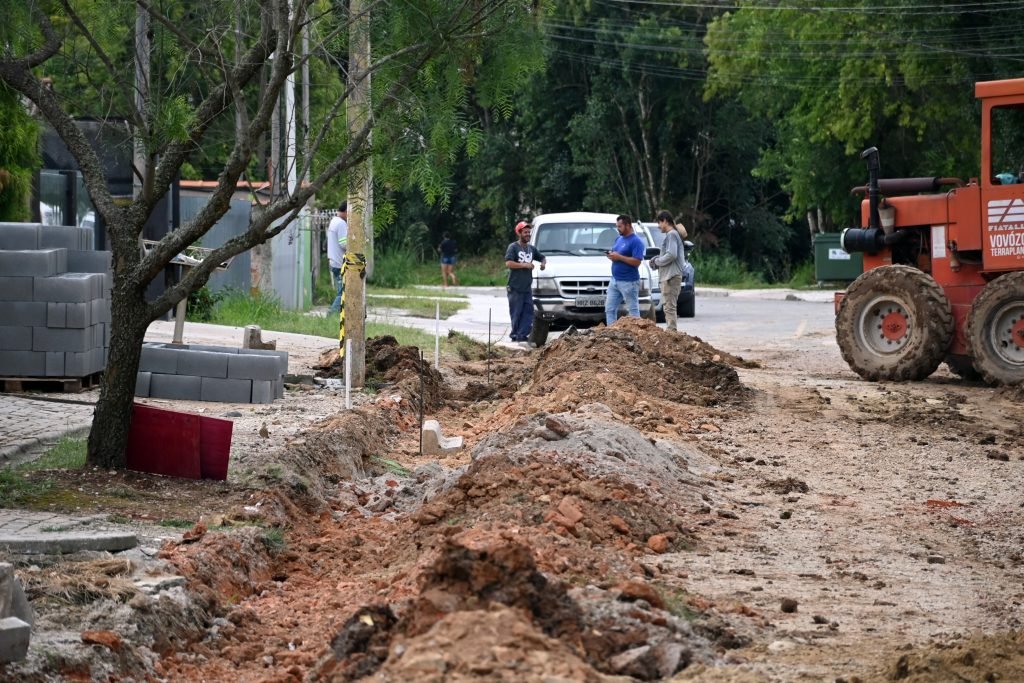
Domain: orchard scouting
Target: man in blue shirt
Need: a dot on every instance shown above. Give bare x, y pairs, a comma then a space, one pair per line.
626, 256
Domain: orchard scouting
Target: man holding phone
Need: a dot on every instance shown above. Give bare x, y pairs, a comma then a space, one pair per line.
626, 256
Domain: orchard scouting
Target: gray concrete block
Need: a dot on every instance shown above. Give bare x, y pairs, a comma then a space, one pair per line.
77, 364
204, 363
56, 314
142, 384
247, 366
279, 388
55, 364
15, 288
226, 390
86, 238
69, 288
434, 443
180, 387
262, 391
27, 313
79, 315
59, 237
13, 602
46, 339
17, 236
156, 358
99, 311
14, 636
38, 263
82, 261
282, 357
208, 347
97, 336
22, 364
15, 338
97, 360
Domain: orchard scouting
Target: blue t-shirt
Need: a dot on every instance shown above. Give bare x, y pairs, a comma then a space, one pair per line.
632, 246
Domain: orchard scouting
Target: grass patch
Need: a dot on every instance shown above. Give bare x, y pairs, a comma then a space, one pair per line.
239, 309
677, 604
176, 523
68, 454
391, 466
18, 486
274, 541
417, 306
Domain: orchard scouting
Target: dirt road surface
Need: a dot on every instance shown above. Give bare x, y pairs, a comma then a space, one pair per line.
630, 504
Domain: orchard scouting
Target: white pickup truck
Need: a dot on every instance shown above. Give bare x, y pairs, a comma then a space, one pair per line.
572, 287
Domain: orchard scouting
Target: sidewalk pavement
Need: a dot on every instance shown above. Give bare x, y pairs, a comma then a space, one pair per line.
29, 423
47, 533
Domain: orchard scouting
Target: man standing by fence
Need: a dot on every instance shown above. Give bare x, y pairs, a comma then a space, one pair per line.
337, 238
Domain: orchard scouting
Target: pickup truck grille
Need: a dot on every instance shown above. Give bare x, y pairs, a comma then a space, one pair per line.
570, 289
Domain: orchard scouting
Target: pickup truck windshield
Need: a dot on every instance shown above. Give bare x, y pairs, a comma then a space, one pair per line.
595, 238
575, 236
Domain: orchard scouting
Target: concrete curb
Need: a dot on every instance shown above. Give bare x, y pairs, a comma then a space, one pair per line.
62, 543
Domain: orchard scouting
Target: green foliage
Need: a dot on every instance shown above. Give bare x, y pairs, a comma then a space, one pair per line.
803, 275
19, 157
835, 83
724, 268
66, 454
201, 304
392, 268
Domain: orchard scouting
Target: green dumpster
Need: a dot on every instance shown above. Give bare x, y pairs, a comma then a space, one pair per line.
832, 263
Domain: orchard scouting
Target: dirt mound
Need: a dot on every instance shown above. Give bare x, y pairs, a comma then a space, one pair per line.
390, 364
631, 361
998, 657
476, 576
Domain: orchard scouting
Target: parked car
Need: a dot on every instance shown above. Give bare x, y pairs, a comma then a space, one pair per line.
686, 305
572, 287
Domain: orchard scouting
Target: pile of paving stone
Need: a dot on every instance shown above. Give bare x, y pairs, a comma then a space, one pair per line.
54, 302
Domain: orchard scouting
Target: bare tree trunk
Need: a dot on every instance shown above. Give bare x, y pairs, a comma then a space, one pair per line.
108, 438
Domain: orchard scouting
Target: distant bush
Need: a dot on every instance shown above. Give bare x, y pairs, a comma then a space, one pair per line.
723, 268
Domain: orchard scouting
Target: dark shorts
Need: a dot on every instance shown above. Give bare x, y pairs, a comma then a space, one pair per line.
447, 260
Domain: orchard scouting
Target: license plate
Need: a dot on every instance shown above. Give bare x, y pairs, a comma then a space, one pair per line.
590, 302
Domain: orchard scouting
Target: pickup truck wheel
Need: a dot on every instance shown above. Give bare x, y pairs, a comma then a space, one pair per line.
894, 323
539, 332
686, 305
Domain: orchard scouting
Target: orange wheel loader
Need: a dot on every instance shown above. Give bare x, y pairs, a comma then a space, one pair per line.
943, 273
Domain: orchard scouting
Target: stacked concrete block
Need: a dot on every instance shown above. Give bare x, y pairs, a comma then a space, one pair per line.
54, 302
16, 616
198, 372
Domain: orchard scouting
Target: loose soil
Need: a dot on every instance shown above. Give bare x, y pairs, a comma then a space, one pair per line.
629, 504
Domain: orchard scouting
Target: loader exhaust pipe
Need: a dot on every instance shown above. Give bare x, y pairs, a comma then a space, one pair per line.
874, 166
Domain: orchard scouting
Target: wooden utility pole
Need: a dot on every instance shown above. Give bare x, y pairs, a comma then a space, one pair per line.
357, 110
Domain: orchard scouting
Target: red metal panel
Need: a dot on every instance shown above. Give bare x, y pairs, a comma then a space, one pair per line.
164, 442
214, 447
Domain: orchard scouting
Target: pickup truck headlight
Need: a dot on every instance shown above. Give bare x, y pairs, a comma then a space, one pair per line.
545, 285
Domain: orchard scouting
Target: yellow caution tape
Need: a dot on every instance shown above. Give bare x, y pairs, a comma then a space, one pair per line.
357, 261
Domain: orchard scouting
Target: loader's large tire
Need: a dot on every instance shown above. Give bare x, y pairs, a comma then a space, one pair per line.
995, 330
894, 324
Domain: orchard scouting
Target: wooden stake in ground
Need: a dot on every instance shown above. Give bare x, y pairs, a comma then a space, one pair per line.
357, 111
